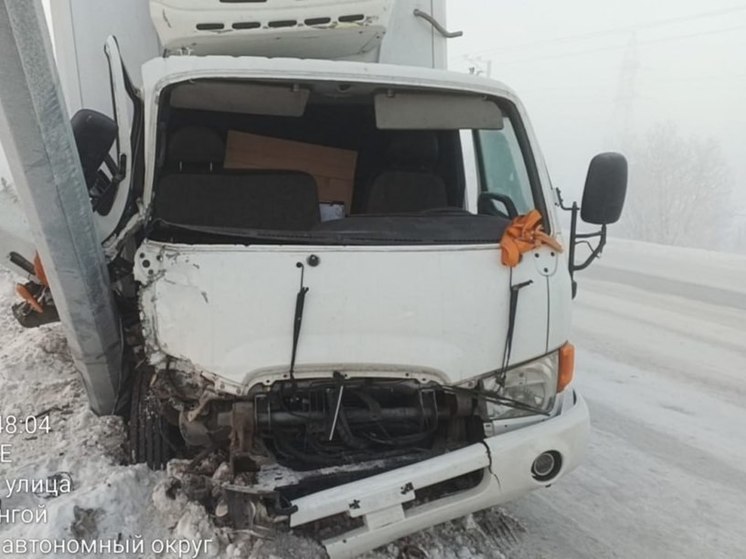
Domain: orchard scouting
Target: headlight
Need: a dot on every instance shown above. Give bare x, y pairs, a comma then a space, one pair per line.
533, 384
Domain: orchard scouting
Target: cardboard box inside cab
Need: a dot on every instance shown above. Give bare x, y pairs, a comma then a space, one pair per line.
333, 168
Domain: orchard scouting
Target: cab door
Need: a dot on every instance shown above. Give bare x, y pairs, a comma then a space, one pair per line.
115, 204
113, 177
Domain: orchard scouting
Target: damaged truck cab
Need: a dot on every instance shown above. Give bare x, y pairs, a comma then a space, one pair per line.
341, 268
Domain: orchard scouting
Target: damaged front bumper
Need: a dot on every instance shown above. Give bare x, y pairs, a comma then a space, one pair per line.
387, 504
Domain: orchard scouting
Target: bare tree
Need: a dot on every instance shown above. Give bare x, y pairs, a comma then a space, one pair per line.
680, 190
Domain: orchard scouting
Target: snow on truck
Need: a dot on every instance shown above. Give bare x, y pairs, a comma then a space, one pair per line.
339, 267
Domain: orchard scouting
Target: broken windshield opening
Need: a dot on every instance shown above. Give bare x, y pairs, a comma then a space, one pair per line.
362, 230
327, 173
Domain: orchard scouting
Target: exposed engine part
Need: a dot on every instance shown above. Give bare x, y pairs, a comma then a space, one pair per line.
340, 421
212, 430
242, 438
232, 500
312, 424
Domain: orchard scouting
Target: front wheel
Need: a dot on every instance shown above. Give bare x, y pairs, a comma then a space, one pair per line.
152, 439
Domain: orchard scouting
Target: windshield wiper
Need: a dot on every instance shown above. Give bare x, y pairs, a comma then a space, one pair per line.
300, 305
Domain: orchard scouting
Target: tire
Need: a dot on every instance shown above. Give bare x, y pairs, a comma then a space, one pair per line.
152, 439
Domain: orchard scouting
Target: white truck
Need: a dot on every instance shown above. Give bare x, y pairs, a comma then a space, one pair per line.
339, 267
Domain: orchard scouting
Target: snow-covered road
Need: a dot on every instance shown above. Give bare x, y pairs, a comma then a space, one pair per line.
661, 363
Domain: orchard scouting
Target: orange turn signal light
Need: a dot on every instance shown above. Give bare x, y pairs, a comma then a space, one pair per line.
566, 366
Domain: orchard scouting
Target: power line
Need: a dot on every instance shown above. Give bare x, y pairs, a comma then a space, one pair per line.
620, 47
604, 33
594, 87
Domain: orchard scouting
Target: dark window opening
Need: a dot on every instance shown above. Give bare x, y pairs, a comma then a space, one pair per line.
328, 177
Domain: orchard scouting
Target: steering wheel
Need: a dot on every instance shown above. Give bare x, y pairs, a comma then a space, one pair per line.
486, 207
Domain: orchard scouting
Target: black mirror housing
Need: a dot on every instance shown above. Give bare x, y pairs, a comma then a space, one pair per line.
605, 189
95, 134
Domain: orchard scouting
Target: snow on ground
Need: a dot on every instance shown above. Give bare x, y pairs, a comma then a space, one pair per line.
15, 232
703, 267
661, 367
110, 501
711, 277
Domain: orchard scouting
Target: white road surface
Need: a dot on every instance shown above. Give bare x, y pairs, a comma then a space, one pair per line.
661, 362
665, 476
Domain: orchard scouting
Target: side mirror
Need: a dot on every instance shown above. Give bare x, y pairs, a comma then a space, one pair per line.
94, 133
605, 189
603, 201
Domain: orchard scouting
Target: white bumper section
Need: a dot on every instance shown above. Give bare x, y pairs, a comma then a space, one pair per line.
507, 459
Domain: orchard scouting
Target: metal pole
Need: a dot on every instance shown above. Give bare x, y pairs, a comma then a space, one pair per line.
35, 132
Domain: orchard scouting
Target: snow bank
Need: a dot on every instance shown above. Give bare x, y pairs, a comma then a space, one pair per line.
109, 500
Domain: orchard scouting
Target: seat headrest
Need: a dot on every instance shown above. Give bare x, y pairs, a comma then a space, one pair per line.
413, 150
196, 145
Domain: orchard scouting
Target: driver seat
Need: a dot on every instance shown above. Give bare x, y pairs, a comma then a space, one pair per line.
409, 183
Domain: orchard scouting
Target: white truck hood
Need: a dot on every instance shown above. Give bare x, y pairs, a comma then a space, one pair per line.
437, 313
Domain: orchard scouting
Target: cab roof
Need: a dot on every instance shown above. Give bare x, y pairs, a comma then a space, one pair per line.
162, 72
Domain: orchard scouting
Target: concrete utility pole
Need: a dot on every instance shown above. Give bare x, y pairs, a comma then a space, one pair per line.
35, 132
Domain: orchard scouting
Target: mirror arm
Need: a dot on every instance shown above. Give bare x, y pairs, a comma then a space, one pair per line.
121, 172
118, 175
590, 235
596, 252
575, 237
575, 209
111, 165
562, 201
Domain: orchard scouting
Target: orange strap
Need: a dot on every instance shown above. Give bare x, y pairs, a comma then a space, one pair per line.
524, 234
26, 295
39, 271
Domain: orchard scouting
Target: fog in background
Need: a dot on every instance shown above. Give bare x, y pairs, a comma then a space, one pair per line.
664, 82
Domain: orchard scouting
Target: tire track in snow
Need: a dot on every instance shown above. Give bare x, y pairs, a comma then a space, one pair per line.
664, 476
669, 286
681, 327
697, 463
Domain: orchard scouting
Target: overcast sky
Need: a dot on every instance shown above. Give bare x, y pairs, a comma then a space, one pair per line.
587, 70
584, 67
